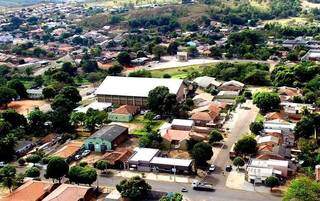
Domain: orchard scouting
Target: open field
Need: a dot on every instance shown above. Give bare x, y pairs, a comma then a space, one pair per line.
25, 106
307, 5
180, 72
111, 3
289, 21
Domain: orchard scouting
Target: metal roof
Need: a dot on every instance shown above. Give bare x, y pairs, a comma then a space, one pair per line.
109, 132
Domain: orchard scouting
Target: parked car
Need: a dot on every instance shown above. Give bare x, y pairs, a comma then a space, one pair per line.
212, 168
228, 168
77, 157
85, 153
2, 164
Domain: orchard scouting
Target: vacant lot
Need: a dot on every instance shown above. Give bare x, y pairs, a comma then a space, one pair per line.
180, 72
25, 106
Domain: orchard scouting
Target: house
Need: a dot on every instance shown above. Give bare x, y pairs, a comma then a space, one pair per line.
295, 110
209, 118
106, 138
69, 150
118, 157
311, 55
173, 165
71, 193
176, 139
30, 191
207, 82
182, 56
225, 95
35, 93
182, 124
258, 170
283, 127
124, 113
288, 93
232, 85
135, 90
141, 158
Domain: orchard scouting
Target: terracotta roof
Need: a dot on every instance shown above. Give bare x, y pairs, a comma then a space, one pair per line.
289, 91
205, 116
69, 149
126, 109
30, 191
178, 135
274, 115
265, 148
118, 155
67, 192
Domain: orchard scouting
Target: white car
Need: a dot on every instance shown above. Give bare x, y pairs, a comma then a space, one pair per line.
78, 157
85, 153
212, 168
2, 164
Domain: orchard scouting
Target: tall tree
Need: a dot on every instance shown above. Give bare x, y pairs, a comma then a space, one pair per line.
18, 87
247, 145
303, 188
135, 188
201, 153
266, 101
6, 96
57, 168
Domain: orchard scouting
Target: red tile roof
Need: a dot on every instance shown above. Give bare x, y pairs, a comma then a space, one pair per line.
126, 109
30, 191
178, 135
67, 192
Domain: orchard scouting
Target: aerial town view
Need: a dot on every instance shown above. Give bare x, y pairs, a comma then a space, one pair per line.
159, 100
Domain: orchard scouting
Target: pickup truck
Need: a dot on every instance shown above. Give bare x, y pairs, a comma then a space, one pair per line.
199, 186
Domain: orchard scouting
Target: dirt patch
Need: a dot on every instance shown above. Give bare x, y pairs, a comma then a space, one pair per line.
25, 106
179, 154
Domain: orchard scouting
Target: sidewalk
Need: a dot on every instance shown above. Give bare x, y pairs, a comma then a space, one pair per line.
156, 177
236, 180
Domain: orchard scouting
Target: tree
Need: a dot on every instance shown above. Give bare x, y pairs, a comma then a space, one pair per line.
62, 103
57, 168
215, 52
7, 145
215, 136
77, 118
238, 161
71, 93
37, 121
266, 101
101, 165
34, 158
32, 172
135, 188
124, 58
304, 128
140, 73
115, 69
240, 100
303, 188
49, 92
18, 87
88, 64
13, 118
151, 140
201, 152
172, 197
7, 176
256, 127
272, 181
69, 68
21, 161
173, 48
6, 96
160, 101
95, 118
159, 51
247, 145
83, 175
62, 77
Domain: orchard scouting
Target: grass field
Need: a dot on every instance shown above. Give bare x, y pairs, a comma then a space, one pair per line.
180, 72
113, 3
289, 21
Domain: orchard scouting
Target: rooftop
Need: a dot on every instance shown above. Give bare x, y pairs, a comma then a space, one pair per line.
134, 86
171, 161
182, 122
143, 154
67, 192
109, 132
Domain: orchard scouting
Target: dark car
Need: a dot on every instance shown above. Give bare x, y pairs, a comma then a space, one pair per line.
228, 168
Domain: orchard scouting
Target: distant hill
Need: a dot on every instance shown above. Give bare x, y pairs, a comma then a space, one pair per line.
5, 3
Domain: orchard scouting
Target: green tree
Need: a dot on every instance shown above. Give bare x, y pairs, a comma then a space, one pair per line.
238, 161
256, 127
88, 64
201, 153
159, 51
151, 140
247, 145
305, 127
173, 48
6, 96
215, 136
18, 87
172, 197
13, 118
37, 121
303, 188
272, 182
7, 145
57, 168
71, 93
49, 92
77, 118
135, 188
32, 172
7, 176
266, 101
69, 68
34, 158
160, 101
101, 165
115, 69
124, 58
83, 175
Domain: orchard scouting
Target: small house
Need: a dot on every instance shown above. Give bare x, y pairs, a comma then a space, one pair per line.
124, 113
232, 85
107, 138
182, 56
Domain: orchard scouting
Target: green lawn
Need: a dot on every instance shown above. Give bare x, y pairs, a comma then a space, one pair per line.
140, 120
179, 72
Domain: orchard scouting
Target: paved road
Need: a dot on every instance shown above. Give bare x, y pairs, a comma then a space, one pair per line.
239, 125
